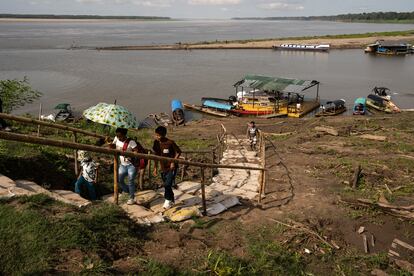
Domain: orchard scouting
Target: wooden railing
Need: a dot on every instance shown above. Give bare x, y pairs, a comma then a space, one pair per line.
78, 146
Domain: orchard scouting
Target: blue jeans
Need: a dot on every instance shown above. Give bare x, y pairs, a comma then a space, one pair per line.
169, 180
131, 171
91, 189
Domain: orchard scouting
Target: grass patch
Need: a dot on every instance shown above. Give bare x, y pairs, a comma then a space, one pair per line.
33, 235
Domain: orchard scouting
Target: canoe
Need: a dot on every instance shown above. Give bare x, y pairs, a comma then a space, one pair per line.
333, 108
359, 106
206, 110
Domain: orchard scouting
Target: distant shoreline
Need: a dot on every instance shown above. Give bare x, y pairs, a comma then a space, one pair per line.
352, 41
75, 19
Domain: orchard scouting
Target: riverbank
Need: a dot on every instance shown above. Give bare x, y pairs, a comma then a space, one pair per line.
248, 240
346, 41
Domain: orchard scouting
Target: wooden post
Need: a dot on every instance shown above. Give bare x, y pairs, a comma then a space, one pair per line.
75, 152
356, 176
213, 160
183, 167
149, 171
40, 114
263, 172
116, 178
141, 179
203, 192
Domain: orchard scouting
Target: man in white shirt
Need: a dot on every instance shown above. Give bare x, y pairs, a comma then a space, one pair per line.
126, 167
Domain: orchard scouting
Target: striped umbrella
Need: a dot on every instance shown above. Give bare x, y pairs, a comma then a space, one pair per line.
111, 115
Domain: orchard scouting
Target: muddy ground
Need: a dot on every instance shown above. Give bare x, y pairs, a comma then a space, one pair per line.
308, 182
309, 218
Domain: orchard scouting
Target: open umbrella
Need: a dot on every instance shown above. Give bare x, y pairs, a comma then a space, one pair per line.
112, 115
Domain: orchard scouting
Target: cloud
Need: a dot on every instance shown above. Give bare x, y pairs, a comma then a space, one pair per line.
213, 2
144, 3
90, 1
153, 3
281, 6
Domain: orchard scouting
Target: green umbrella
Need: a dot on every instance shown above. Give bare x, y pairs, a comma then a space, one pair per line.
112, 115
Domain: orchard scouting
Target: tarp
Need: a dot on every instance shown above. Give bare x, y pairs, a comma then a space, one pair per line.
265, 83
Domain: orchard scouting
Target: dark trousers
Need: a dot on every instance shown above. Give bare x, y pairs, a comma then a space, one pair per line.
169, 179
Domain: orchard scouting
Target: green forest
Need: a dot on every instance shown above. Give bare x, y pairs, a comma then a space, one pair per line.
356, 17
65, 16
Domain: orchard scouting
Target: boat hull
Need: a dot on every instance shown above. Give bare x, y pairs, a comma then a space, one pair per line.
331, 112
206, 110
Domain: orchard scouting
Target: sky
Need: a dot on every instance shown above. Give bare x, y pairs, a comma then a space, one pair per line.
214, 9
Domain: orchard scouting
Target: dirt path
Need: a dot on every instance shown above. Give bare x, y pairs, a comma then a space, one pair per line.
307, 176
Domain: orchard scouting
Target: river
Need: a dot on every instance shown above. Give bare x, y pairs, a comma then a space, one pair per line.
146, 81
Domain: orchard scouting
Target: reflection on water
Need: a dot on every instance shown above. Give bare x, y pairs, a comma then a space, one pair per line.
146, 81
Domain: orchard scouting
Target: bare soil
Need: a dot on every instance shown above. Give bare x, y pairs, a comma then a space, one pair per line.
309, 175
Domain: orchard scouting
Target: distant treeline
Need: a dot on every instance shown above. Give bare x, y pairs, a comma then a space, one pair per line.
65, 16
372, 16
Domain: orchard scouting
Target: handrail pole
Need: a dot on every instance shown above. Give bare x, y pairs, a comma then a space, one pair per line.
203, 192
75, 154
116, 178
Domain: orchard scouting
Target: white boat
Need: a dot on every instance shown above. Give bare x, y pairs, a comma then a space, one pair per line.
303, 47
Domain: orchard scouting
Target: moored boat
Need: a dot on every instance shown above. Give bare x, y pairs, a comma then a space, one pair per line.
359, 107
378, 103
303, 47
177, 112
333, 108
382, 47
216, 103
206, 110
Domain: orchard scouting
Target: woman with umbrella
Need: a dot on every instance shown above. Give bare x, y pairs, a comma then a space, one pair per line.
118, 116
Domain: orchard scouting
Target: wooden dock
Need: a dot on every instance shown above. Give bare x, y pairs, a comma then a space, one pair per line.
305, 108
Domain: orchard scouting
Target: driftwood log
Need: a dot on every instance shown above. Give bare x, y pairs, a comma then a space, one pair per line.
328, 130
373, 137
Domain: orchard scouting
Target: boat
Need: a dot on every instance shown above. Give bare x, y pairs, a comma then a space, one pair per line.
382, 92
303, 47
257, 106
63, 113
382, 47
378, 103
206, 110
161, 119
218, 104
177, 112
333, 108
359, 106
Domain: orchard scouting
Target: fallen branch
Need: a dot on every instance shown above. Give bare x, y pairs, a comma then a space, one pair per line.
373, 137
301, 227
328, 130
398, 211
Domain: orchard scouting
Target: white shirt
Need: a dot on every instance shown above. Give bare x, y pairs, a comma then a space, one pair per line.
89, 171
125, 161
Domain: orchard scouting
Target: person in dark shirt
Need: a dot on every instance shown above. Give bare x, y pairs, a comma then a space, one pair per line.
166, 148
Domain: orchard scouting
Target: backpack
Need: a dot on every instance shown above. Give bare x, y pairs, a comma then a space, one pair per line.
136, 161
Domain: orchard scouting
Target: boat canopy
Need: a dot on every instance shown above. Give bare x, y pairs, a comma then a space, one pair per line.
360, 101
266, 83
337, 103
217, 105
63, 106
376, 98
